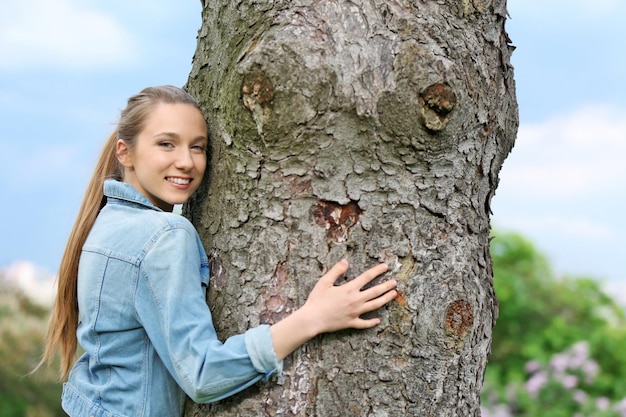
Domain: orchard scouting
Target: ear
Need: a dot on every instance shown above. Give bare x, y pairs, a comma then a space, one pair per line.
123, 154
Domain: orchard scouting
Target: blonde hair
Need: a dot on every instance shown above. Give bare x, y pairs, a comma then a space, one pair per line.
61, 335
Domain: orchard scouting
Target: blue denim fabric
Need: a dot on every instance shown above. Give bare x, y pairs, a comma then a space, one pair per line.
145, 326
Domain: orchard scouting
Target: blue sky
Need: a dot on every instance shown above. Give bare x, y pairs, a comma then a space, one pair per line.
67, 67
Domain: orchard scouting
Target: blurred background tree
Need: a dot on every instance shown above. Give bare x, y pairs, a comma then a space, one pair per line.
558, 339
557, 345
22, 328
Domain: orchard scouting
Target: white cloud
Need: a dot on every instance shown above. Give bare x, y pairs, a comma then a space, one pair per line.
550, 223
32, 281
616, 288
574, 156
588, 128
583, 9
62, 34
564, 186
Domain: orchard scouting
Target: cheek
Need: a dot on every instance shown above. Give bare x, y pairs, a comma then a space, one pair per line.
200, 163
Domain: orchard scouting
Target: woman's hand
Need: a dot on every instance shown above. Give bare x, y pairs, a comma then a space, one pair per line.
331, 307
337, 307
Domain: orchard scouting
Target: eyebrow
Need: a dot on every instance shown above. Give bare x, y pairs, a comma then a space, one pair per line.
174, 135
167, 134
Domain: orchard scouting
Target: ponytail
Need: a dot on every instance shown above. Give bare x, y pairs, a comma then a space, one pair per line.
64, 320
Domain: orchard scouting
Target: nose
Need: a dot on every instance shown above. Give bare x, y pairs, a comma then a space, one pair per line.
184, 160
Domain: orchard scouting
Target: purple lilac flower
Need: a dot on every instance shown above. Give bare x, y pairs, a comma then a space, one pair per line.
603, 403
535, 383
579, 353
620, 407
569, 381
591, 369
500, 410
580, 396
559, 363
532, 366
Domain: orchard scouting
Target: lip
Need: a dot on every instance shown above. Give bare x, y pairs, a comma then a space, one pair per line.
180, 186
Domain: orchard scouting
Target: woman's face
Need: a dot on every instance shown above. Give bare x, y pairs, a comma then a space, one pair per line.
168, 160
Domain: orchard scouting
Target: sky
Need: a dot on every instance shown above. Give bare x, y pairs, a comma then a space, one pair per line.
68, 66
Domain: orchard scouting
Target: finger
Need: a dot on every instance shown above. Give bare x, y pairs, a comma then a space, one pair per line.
377, 290
365, 323
378, 302
369, 275
372, 305
336, 272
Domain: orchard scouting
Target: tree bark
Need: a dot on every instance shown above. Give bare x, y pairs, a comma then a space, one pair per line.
372, 130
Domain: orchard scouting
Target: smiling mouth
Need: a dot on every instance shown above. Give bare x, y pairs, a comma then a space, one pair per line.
179, 181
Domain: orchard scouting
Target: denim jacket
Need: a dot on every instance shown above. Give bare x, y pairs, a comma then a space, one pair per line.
145, 326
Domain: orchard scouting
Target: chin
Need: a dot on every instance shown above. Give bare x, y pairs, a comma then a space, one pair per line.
178, 201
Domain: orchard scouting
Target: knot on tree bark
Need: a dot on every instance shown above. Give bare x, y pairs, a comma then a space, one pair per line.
459, 319
436, 103
257, 95
336, 218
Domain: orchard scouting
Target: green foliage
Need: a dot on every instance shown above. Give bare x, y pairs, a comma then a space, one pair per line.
541, 317
22, 327
557, 344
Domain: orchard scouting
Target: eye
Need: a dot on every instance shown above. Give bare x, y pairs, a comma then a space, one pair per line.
166, 144
199, 148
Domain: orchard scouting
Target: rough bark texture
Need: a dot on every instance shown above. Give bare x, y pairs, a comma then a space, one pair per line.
373, 130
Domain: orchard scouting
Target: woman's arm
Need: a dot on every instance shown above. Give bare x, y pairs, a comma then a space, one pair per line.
330, 308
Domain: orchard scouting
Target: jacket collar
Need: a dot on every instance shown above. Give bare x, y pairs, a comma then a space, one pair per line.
126, 192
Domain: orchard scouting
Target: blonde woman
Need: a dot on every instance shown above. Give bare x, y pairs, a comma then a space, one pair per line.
137, 307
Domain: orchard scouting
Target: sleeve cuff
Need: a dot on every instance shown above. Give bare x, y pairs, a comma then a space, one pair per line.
260, 347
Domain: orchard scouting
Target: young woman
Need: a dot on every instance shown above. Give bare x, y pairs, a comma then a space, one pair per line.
133, 277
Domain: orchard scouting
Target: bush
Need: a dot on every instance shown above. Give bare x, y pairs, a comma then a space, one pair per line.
545, 320
22, 327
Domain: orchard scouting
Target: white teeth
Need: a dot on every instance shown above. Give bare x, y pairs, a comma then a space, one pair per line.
179, 181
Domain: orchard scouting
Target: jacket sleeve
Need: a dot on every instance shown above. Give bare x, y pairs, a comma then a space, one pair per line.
171, 306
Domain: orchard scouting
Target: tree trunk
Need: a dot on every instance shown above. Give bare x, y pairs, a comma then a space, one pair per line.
372, 130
